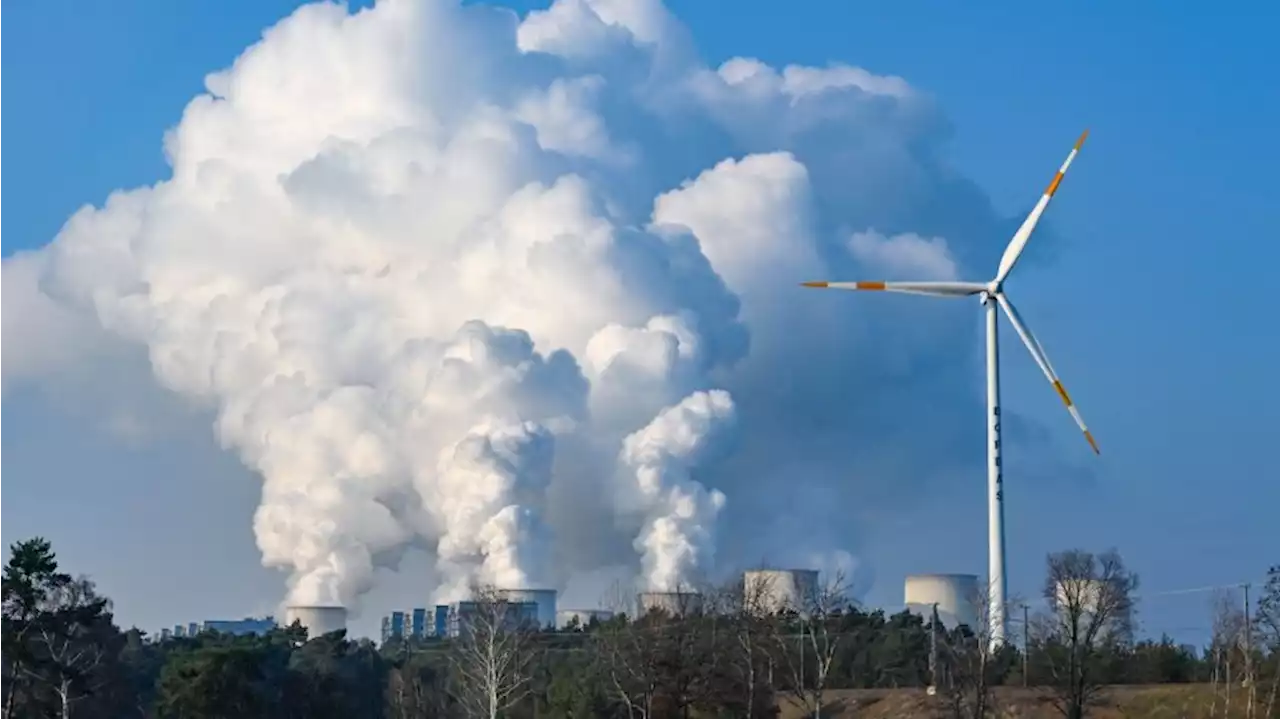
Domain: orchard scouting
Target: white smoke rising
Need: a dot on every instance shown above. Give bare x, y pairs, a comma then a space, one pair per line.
676, 541
485, 500
431, 266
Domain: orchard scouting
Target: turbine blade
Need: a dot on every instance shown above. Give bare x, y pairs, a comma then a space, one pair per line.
933, 289
1019, 241
1042, 359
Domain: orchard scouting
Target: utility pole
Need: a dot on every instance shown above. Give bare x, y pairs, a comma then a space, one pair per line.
1026, 642
1248, 655
933, 651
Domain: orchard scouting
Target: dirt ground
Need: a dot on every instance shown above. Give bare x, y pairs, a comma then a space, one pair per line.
1169, 701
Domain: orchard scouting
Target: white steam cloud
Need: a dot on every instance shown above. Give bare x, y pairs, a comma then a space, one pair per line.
524, 292
677, 538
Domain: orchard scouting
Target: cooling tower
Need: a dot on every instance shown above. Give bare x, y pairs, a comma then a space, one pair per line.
674, 603
769, 591
565, 617
318, 621
544, 598
958, 597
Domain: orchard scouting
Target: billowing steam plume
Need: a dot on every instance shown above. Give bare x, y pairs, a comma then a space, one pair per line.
433, 266
680, 513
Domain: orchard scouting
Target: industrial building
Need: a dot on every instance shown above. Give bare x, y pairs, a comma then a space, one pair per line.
528, 609
513, 616
957, 598
770, 591
411, 624
543, 599
525, 608
417, 623
239, 627
236, 627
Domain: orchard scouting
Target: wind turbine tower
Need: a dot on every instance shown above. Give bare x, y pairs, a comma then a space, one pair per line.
992, 294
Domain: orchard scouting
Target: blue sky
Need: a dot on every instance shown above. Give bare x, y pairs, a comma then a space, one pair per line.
1154, 307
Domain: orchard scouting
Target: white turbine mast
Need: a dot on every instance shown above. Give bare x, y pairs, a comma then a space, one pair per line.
992, 294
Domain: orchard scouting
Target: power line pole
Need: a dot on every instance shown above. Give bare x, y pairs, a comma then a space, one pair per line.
1248, 654
1026, 642
933, 650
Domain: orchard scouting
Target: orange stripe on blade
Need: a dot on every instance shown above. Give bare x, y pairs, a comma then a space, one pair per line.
870, 285
1080, 143
1053, 186
1062, 392
814, 284
1089, 436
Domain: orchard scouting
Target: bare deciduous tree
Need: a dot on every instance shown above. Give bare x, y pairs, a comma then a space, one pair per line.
749, 613
1091, 607
966, 664
808, 641
1226, 650
679, 656
626, 649
630, 656
492, 654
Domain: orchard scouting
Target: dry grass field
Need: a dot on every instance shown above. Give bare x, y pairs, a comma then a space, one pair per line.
1167, 701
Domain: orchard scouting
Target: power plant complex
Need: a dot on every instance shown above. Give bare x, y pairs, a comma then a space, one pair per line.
543, 600
957, 599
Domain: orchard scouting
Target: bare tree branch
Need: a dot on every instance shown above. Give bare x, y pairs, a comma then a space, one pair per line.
492, 653
809, 639
1091, 609
966, 666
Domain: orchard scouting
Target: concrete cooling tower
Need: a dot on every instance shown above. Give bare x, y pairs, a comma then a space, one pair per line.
676, 604
958, 597
565, 617
318, 621
545, 599
769, 591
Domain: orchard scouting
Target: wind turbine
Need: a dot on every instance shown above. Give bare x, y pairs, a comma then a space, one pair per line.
992, 294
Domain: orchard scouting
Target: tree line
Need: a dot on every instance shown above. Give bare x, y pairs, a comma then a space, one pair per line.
734, 654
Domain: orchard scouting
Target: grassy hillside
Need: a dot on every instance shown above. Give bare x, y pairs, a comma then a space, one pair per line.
1167, 701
